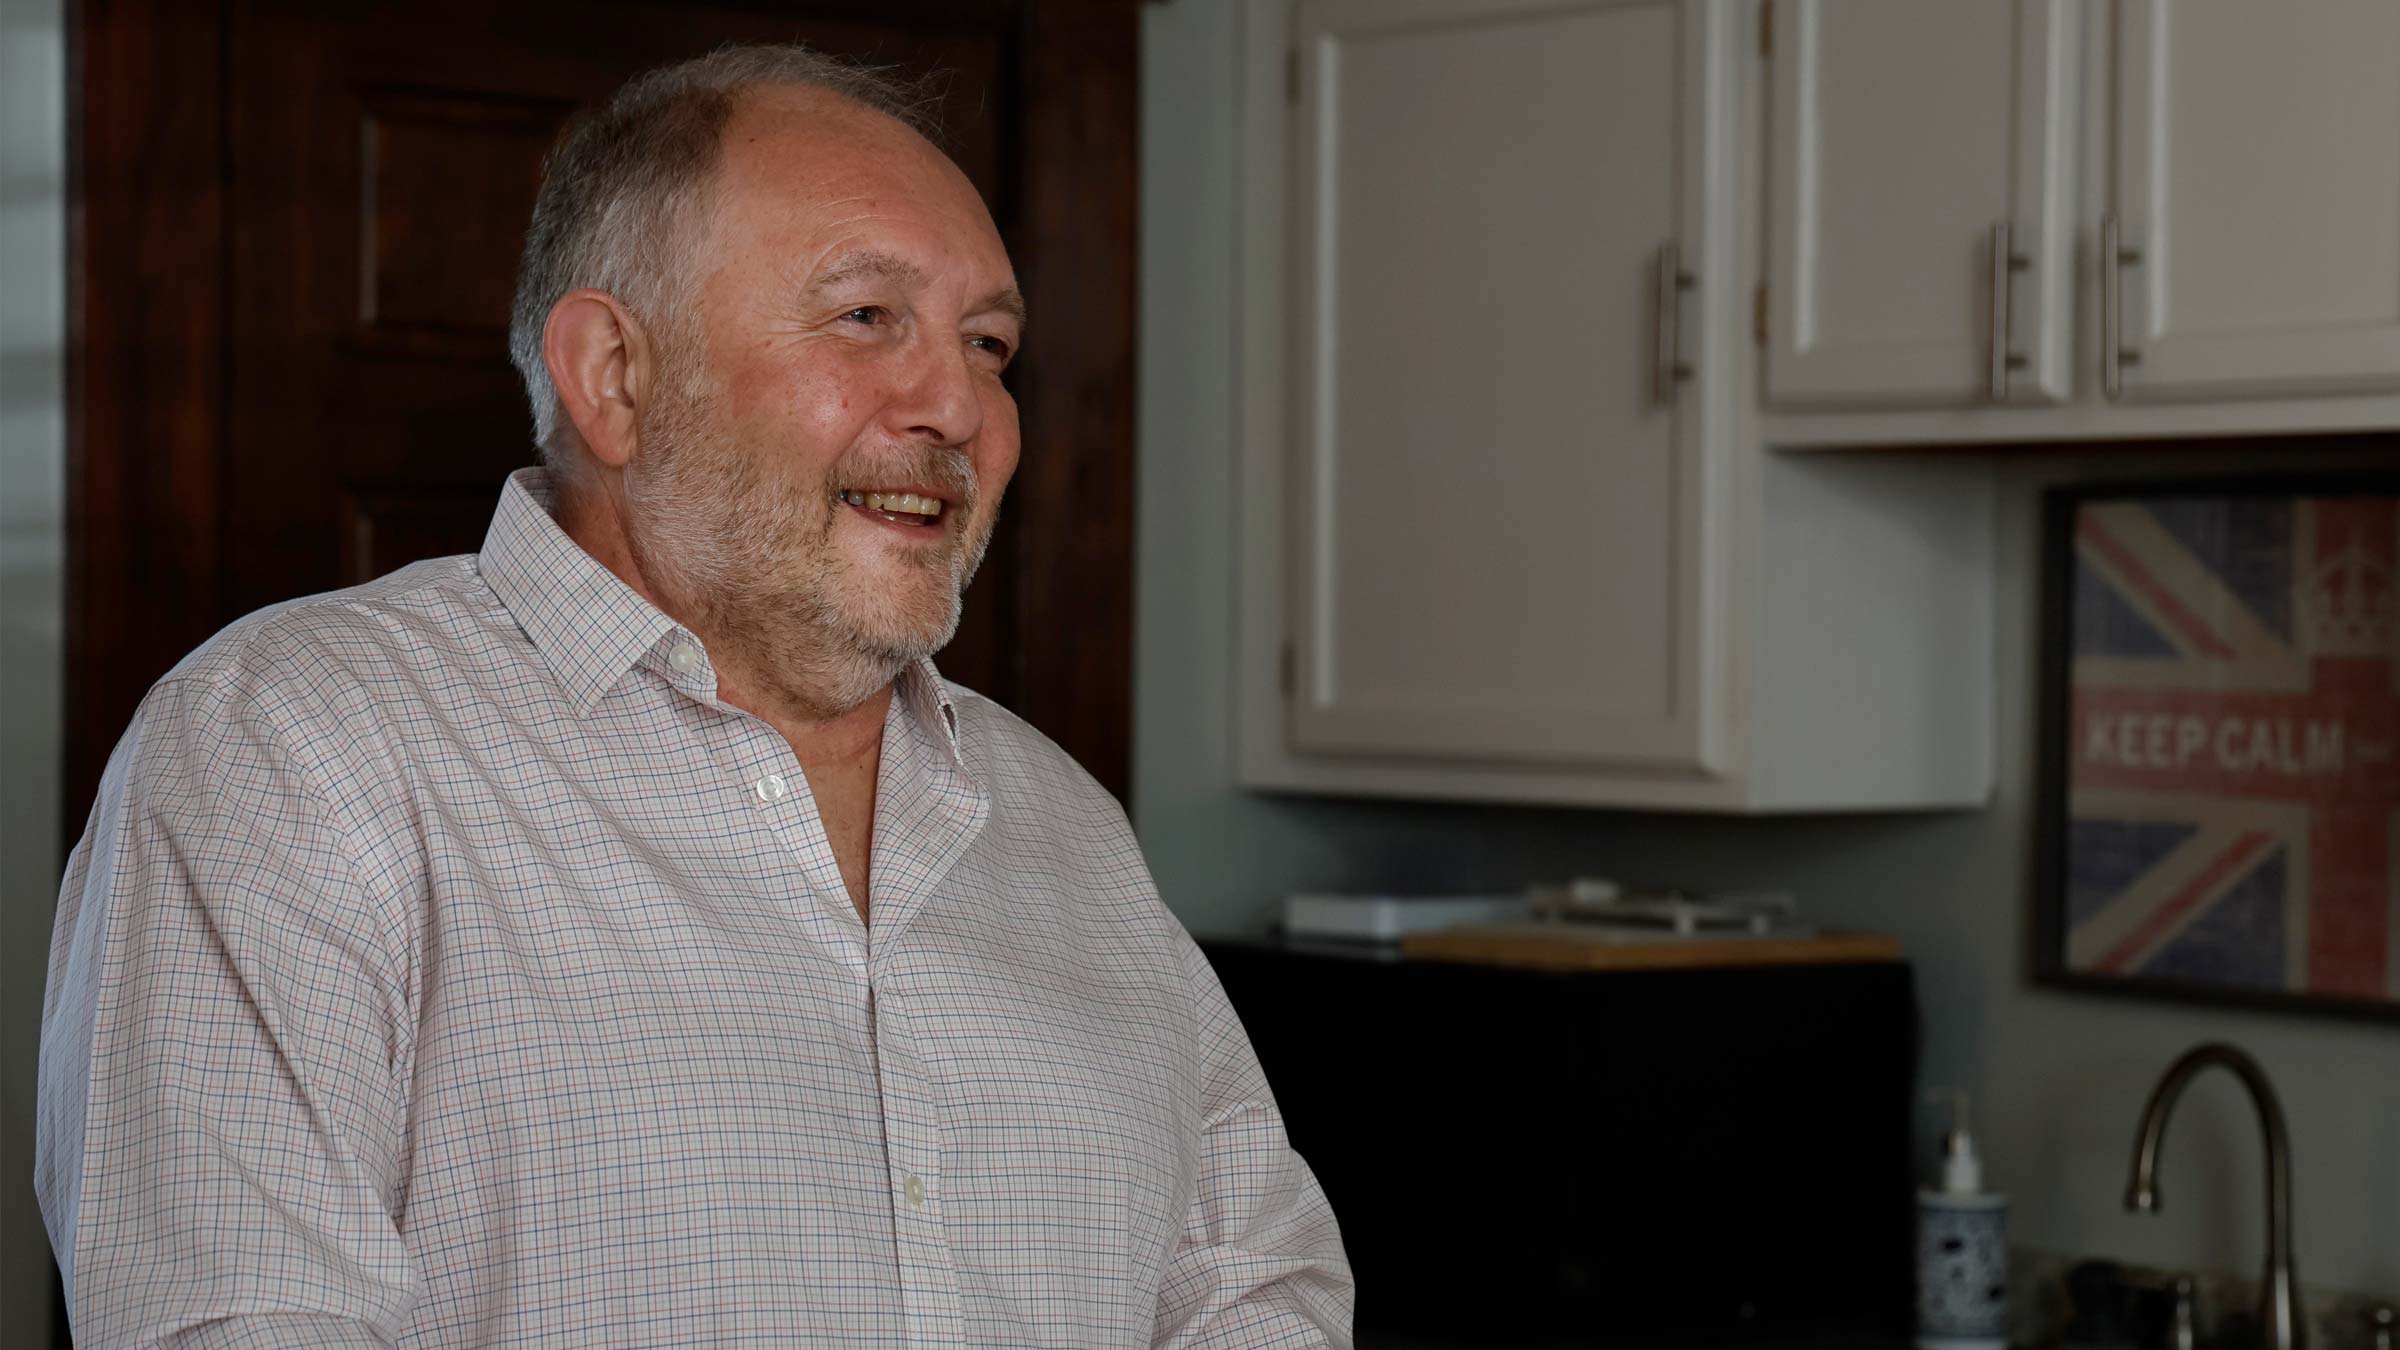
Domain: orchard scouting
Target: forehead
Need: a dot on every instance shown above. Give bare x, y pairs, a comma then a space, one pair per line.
808, 176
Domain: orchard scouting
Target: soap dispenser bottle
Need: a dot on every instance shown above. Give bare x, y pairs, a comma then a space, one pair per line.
1962, 1251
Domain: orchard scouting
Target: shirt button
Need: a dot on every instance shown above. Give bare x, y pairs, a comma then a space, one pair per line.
683, 658
916, 1190
772, 788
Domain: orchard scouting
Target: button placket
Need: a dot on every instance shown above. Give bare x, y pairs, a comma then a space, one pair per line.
908, 1111
928, 1271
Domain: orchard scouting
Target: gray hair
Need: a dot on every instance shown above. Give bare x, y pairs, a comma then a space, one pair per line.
618, 190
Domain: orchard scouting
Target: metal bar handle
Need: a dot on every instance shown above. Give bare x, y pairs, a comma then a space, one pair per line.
2115, 257
1669, 368
2006, 262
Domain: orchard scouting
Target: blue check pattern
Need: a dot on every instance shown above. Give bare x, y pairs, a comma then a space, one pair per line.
446, 965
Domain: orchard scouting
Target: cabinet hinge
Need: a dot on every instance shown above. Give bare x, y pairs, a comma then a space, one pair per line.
1291, 75
1290, 669
1766, 28
1758, 314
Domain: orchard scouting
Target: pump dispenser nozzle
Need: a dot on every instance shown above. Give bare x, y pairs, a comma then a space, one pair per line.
1962, 1170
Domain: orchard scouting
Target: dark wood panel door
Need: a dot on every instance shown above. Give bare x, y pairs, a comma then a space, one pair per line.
298, 234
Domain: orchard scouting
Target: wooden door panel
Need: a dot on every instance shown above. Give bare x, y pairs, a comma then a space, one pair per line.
446, 184
386, 528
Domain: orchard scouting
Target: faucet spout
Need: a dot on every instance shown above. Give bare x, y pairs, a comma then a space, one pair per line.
2279, 1297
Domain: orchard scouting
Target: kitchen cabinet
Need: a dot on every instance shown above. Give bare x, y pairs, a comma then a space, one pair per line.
1920, 202
1505, 535
2254, 242
1507, 259
2202, 198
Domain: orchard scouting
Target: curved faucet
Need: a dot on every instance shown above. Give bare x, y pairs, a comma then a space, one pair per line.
2279, 1298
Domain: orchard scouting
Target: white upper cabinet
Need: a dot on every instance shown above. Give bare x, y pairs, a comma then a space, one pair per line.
1920, 203
2257, 198
1512, 243
1506, 533
2006, 221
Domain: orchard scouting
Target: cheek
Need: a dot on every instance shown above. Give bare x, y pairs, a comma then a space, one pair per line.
996, 448
815, 404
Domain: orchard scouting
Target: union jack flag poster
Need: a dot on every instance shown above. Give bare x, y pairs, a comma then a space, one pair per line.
2224, 779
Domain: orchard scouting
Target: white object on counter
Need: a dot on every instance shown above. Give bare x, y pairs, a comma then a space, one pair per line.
1389, 918
1962, 1251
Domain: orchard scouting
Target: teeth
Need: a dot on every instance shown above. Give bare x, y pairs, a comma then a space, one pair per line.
899, 503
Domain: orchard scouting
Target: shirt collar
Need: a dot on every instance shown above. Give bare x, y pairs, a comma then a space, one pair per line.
926, 696
585, 622
590, 627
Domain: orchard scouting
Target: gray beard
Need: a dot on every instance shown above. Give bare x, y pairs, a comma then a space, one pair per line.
749, 558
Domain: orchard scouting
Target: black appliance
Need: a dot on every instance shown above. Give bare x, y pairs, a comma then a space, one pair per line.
1654, 1157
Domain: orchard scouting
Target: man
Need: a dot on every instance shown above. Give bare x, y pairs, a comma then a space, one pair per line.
621, 936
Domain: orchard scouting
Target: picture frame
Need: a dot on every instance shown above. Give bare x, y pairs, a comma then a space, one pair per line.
2217, 794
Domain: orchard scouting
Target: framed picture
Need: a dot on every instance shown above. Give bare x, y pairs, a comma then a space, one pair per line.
2219, 773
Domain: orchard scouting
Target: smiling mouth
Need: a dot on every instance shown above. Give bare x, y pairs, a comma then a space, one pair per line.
898, 508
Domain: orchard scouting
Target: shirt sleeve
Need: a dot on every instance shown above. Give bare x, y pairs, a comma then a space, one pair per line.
225, 1040
1260, 1262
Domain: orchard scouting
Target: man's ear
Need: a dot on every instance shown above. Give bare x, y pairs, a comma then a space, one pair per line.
600, 362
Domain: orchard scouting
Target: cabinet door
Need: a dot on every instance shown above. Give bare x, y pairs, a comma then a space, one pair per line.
1920, 202
1512, 234
2257, 197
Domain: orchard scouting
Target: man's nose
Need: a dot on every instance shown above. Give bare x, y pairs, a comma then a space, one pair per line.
938, 400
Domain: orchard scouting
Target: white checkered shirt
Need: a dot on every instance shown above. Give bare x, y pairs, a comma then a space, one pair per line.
445, 965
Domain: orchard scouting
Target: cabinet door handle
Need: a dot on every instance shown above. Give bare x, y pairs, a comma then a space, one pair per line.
2115, 257
2006, 262
1670, 369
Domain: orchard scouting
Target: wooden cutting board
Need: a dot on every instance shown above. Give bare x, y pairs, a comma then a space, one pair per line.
1571, 946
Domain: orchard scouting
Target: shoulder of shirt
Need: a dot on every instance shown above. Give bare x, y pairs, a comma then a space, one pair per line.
1015, 760
336, 632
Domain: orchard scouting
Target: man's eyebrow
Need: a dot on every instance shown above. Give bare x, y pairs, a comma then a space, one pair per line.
1007, 301
862, 264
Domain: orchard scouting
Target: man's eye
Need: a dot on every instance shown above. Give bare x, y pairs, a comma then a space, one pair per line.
869, 314
990, 344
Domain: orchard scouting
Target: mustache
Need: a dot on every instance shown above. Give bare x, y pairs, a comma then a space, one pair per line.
947, 470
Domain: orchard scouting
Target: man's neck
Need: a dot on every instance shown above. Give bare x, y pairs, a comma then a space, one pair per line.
815, 739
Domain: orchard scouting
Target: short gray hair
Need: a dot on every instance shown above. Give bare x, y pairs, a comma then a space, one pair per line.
618, 190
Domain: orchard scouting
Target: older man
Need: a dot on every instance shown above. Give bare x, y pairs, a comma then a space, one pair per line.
622, 936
